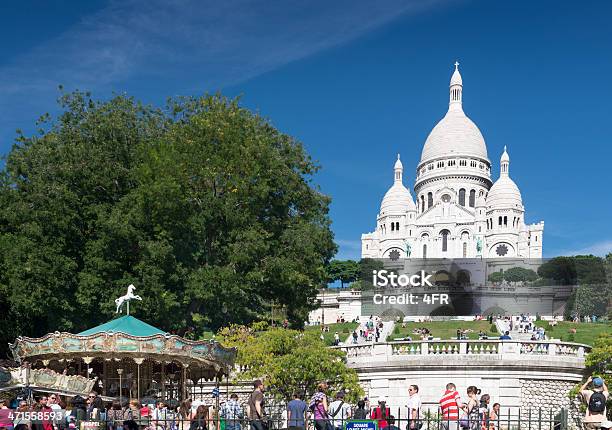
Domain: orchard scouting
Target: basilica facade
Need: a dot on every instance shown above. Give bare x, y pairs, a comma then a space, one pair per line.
459, 212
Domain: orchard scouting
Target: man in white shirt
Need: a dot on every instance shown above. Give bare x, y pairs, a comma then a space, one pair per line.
414, 408
339, 412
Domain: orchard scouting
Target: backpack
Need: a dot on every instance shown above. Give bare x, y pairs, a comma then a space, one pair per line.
597, 402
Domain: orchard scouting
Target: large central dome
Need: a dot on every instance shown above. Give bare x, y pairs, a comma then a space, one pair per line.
455, 134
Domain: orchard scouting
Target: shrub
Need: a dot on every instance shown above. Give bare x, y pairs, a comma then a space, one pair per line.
493, 328
396, 330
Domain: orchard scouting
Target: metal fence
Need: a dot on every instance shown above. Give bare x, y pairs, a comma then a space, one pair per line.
537, 419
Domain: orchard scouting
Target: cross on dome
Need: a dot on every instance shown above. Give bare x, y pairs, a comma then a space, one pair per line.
457, 65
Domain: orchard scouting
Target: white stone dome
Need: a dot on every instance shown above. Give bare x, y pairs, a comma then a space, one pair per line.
397, 200
504, 194
455, 134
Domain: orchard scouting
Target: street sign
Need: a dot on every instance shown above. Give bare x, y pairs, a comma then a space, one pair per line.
361, 425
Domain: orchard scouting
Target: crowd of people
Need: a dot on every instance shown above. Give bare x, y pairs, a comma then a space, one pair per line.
52, 412
476, 412
471, 411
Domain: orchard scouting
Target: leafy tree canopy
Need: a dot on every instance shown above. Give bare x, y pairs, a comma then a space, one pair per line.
520, 274
291, 361
345, 271
206, 207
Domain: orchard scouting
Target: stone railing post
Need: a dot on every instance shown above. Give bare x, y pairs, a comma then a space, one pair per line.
552, 348
463, 348
580, 352
424, 348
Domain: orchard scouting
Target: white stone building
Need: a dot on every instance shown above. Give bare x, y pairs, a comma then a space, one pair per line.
459, 211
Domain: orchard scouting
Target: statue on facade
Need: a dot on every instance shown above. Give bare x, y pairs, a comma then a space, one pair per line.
479, 246
408, 248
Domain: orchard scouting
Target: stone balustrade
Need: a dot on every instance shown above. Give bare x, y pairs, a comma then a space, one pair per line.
386, 351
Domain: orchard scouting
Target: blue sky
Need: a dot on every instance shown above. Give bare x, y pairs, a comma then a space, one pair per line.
356, 82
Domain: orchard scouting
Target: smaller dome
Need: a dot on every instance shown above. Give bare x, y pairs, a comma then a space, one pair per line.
504, 194
397, 200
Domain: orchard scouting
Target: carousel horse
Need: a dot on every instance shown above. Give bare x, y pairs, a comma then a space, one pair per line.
129, 296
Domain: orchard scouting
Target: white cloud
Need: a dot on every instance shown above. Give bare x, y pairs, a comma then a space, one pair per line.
598, 248
199, 45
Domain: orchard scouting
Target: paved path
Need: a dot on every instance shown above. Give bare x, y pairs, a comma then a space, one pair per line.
386, 331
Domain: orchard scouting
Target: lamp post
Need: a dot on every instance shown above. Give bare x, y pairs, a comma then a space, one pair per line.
120, 372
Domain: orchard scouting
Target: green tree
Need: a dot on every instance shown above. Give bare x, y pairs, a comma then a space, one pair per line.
345, 271
561, 270
496, 277
290, 361
520, 274
206, 207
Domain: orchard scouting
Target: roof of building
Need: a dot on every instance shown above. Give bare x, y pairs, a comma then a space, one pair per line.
455, 134
397, 200
126, 324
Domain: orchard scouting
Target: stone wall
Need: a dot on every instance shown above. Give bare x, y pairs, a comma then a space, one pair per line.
550, 395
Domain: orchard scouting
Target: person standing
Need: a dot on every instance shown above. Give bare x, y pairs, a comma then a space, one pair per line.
296, 410
200, 419
232, 413
450, 403
471, 407
494, 417
381, 413
5, 420
256, 406
361, 412
595, 400
20, 422
414, 408
339, 411
318, 405
483, 412
159, 416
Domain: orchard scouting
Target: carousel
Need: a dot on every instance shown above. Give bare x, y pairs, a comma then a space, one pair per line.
124, 357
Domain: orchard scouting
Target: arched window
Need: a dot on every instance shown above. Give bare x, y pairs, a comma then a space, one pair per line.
397, 226
424, 251
464, 250
445, 234
505, 221
392, 226
422, 203
472, 198
499, 221
462, 196
429, 199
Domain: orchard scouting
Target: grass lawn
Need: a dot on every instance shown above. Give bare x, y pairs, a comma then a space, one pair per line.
444, 329
585, 332
343, 329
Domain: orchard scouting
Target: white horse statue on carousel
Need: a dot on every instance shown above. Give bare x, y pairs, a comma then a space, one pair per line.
126, 299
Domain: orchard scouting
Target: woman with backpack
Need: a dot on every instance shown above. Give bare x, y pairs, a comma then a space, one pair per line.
381, 413
318, 407
360, 413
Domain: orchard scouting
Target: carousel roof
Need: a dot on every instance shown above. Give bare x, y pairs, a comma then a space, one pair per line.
126, 324
125, 338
